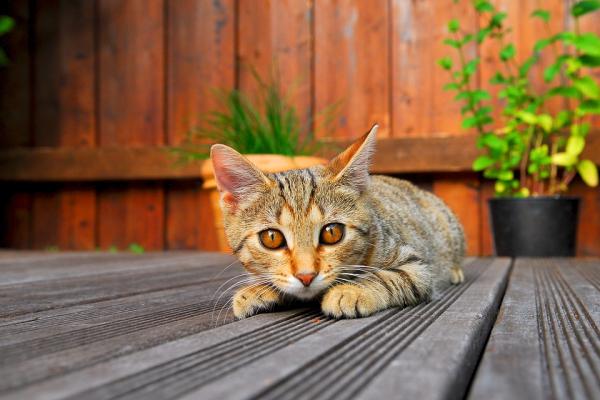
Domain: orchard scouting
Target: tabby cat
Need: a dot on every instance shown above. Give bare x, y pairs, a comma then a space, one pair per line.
358, 243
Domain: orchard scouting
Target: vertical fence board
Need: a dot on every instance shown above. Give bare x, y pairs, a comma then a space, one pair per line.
15, 121
351, 63
461, 194
131, 112
200, 58
64, 116
486, 240
276, 37
419, 106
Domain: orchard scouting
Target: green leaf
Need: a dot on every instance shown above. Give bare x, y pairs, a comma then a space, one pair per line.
564, 91
484, 6
482, 162
589, 107
453, 25
469, 122
524, 192
541, 14
500, 187
551, 71
587, 86
445, 63
453, 43
575, 145
480, 95
562, 118
541, 44
471, 67
482, 34
497, 19
527, 117
136, 248
580, 129
545, 121
588, 43
506, 175
590, 61
497, 79
588, 172
584, 7
451, 86
494, 142
507, 52
564, 159
6, 24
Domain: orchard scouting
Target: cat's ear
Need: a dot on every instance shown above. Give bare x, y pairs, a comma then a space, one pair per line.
236, 177
352, 165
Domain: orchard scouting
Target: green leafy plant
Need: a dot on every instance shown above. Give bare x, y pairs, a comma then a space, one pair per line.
544, 147
265, 124
6, 25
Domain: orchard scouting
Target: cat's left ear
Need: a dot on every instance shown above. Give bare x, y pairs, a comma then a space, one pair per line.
352, 165
236, 176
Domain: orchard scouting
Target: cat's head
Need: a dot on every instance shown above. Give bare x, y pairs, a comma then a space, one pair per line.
298, 230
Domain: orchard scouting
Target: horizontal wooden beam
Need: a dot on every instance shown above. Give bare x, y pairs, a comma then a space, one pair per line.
393, 156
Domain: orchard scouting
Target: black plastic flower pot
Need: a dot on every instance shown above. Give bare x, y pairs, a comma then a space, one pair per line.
535, 227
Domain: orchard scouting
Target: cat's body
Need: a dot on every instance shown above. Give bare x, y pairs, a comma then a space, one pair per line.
358, 243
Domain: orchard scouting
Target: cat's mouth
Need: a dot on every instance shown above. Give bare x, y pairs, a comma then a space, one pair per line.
296, 289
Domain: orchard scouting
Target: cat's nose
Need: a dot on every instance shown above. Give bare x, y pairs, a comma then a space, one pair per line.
306, 279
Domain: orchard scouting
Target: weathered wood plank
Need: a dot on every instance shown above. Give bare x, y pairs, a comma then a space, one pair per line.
419, 105
71, 340
546, 341
131, 109
200, 58
394, 155
28, 297
250, 362
53, 266
74, 383
351, 64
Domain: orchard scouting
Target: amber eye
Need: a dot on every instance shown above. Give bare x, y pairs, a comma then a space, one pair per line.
272, 239
331, 233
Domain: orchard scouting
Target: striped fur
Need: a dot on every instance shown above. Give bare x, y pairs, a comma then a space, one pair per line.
401, 243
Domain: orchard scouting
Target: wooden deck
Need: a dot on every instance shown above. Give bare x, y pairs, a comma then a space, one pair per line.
103, 326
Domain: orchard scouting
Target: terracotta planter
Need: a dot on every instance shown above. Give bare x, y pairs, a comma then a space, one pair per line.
266, 163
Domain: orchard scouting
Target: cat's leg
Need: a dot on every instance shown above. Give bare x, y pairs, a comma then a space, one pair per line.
456, 274
250, 300
405, 285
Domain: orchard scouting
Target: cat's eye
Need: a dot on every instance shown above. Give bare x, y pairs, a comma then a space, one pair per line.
272, 239
331, 233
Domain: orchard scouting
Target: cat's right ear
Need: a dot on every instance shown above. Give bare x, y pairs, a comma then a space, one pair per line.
352, 165
236, 177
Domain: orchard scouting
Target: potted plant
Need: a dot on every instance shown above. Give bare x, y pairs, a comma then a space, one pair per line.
535, 153
266, 129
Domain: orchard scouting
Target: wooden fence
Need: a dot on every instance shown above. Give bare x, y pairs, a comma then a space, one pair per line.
96, 90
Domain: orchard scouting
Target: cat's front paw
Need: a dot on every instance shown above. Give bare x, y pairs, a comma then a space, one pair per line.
252, 299
349, 301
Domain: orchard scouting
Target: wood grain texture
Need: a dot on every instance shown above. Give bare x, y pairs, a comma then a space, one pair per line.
461, 194
131, 110
393, 155
64, 116
419, 105
200, 59
545, 341
15, 120
351, 64
275, 38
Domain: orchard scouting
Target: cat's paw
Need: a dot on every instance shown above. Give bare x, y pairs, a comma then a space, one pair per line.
349, 301
250, 300
456, 275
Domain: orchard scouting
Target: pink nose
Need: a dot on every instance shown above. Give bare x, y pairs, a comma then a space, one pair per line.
306, 279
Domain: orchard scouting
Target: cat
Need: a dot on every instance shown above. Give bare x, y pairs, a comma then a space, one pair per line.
358, 243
